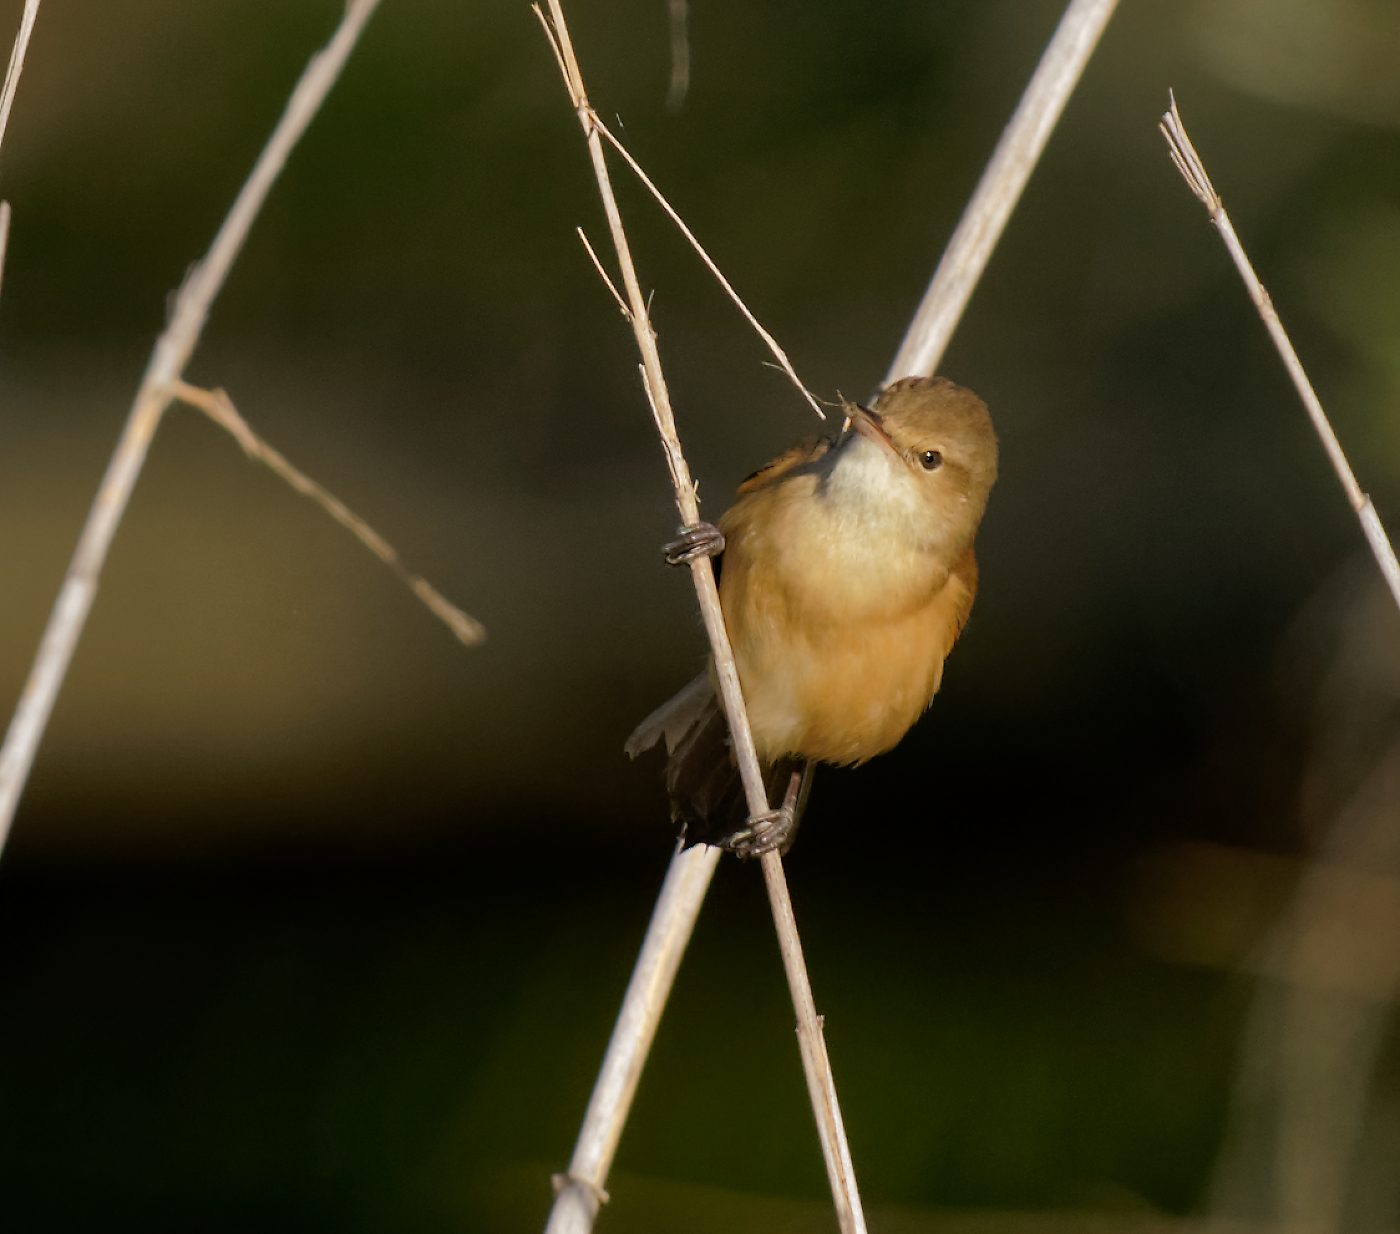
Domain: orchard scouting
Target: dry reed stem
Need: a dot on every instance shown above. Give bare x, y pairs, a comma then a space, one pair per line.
17, 54
7, 99
1312, 1051
985, 216
1193, 171
581, 1191
769, 341
604, 275
219, 408
4, 237
166, 365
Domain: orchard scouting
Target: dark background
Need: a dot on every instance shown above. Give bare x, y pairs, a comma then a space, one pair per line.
312, 919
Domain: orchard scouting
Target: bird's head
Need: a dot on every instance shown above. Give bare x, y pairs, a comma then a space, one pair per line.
919, 463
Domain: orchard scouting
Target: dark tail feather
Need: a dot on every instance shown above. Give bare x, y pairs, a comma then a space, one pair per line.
702, 781
702, 778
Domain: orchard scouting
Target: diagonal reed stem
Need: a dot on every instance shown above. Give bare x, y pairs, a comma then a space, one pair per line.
219, 408
984, 218
1193, 171
16, 66
581, 1191
165, 367
7, 100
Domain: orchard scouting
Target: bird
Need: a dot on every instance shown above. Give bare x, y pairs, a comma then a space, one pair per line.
846, 573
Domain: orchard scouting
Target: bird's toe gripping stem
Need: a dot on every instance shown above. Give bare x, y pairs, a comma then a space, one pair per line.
695, 540
764, 833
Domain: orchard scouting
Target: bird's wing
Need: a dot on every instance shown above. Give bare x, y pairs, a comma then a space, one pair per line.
962, 580
803, 452
679, 714
673, 719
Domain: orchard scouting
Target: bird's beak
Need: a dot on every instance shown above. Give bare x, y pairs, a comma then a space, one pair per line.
868, 424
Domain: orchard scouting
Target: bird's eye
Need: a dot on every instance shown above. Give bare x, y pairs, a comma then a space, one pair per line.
931, 459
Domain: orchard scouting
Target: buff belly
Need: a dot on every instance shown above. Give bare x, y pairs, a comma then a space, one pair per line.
845, 695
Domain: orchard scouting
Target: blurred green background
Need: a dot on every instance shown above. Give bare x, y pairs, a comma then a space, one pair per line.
313, 920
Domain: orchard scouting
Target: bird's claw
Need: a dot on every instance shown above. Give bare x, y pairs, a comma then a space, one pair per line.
764, 833
694, 541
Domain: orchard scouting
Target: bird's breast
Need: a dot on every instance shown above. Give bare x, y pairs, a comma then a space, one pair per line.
839, 634
828, 559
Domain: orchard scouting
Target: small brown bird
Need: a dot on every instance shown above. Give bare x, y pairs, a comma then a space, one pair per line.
847, 575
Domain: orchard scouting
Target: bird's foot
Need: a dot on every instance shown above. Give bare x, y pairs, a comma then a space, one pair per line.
764, 833
694, 541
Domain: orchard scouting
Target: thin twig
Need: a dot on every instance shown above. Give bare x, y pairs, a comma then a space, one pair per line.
604, 275
17, 54
1193, 170
7, 99
770, 342
219, 408
580, 1193
4, 236
811, 1043
985, 216
166, 365
655, 385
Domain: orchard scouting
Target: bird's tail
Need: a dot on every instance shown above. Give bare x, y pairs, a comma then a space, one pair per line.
702, 777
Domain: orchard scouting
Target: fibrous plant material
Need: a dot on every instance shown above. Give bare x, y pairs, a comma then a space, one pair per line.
219, 408
1193, 171
984, 218
16, 66
155, 393
579, 1196
7, 100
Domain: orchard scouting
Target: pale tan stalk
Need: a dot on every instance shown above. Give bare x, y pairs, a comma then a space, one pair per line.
579, 1194
219, 408
582, 1190
769, 341
1193, 171
16, 67
985, 216
1312, 1045
603, 274
165, 367
4, 236
7, 99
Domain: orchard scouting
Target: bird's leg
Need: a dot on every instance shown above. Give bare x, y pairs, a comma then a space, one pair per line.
773, 829
694, 541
